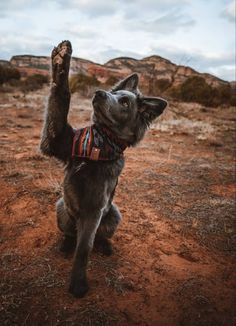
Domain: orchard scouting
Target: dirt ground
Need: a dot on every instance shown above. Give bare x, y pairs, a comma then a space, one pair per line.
174, 252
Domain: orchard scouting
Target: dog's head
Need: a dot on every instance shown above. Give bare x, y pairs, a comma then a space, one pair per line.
125, 111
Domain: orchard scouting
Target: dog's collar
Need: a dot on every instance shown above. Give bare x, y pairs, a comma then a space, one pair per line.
97, 143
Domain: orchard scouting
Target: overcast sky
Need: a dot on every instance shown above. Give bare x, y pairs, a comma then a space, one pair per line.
198, 33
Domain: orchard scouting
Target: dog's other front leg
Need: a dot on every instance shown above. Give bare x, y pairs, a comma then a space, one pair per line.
107, 229
57, 134
86, 229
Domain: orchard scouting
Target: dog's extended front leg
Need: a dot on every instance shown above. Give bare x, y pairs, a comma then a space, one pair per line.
57, 134
86, 229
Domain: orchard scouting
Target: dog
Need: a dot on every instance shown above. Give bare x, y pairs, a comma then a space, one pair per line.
93, 158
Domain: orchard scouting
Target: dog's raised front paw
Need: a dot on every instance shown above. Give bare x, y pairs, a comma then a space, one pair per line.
64, 49
61, 56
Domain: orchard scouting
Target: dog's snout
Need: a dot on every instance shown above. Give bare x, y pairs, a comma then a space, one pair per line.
163, 105
101, 94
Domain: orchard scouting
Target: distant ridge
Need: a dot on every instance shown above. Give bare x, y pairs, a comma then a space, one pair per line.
150, 68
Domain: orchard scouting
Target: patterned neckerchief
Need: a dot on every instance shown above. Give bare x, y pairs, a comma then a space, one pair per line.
97, 143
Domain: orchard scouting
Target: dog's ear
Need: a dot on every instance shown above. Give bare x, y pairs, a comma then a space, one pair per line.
130, 83
151, 107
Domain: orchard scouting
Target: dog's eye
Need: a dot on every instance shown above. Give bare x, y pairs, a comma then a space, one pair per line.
124, 102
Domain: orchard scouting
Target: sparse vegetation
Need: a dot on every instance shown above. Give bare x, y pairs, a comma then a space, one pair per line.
162, 84
33, 82
112, 80
83, 84
11, 78
196, 89
8, 73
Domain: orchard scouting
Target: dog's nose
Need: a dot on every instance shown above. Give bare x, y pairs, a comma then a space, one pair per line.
163, 105
100, 93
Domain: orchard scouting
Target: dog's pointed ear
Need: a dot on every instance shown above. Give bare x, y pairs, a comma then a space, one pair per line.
151, 107
130, 83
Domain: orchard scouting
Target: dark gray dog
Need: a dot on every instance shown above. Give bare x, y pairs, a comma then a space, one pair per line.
93, 158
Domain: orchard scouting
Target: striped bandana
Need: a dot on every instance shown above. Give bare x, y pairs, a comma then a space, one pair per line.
97, 144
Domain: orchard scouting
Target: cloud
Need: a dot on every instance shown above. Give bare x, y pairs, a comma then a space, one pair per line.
227, 72
103, 7
78, 31
95, 8
15, 6
156, 17
111, 53
167, 23
19, 44
152, 8
91, 8
229, 12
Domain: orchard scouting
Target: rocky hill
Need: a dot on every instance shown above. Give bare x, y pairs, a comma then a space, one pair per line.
31, 64
153, 68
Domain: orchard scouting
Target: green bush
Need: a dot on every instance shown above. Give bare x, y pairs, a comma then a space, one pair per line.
8, 73
82, 83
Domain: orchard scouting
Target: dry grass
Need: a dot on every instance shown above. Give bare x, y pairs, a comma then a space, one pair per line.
118, 282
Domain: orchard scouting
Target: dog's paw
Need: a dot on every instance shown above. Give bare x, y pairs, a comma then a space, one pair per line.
61, 52
61, 56
67, 245
78, 288
103, 246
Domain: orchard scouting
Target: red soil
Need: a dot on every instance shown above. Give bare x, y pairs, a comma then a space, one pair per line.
173, 261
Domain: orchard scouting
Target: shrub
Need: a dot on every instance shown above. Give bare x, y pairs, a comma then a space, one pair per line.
8, 73
195, 89
233, 99
112, 80
226, 95
33, 82
155, 87
174, 93
83, 83
162, 84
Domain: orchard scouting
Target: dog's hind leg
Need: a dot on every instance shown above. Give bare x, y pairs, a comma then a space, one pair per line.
106, 230
87, 225
66, 225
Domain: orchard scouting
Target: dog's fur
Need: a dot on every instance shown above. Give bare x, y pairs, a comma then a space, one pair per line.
86, 213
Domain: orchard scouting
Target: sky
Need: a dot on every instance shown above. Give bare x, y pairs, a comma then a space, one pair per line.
197, 33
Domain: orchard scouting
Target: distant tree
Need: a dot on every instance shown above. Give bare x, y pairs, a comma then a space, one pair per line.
34, 82
224, 94
8, 73
83, 83
196, 89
